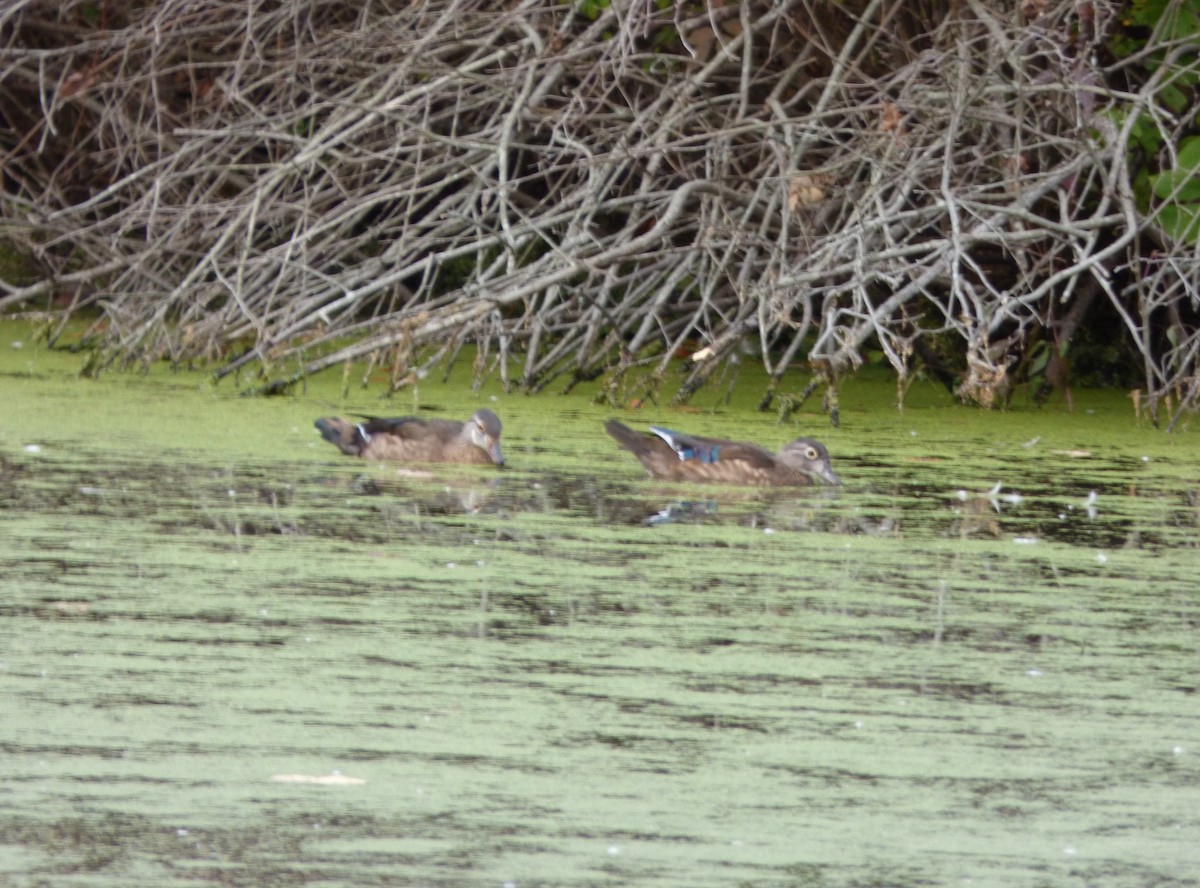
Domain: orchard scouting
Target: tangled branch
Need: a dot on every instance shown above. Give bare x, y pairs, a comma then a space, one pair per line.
280, 187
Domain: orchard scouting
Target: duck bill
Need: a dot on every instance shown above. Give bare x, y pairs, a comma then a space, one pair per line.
493, 450
828, 476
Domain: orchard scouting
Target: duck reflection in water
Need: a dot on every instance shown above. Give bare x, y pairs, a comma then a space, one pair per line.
683, 510
416, 493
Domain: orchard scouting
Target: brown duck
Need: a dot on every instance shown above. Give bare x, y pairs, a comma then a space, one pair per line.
412, 439
679, 457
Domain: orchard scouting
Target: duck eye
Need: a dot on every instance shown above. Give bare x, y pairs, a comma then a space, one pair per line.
811, 452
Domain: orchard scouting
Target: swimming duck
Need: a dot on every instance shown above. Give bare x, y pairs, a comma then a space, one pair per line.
679, 457
413, 439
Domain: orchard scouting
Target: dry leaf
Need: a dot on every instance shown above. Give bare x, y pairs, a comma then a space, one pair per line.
805, 190
892, 122
77, 83
1032, 9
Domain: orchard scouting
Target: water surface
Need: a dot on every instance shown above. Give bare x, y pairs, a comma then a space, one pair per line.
508, 678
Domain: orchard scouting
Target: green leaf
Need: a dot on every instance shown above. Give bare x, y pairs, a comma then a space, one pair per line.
1174, 98
1146, 134
1177, 186
1041, 357
1180, 222
593, 8
1189, 154
1142, 189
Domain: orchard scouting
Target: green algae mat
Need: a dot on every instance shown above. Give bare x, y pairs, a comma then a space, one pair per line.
231, 655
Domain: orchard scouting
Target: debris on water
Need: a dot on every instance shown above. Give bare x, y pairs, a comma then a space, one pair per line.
684, 510
334, 779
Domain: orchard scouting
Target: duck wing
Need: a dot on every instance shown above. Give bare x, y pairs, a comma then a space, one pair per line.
713, 450
411, 428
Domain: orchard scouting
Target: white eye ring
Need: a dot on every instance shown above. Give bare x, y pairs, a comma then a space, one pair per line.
811, 452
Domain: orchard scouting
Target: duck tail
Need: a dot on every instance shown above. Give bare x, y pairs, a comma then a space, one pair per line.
346, 436
634, 442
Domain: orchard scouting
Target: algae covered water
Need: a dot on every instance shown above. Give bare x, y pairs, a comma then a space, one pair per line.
231, 655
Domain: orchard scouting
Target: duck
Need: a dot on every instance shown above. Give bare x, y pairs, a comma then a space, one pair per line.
675, 456
415, 439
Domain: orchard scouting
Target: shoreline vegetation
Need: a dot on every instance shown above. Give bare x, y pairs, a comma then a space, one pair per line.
648, 196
